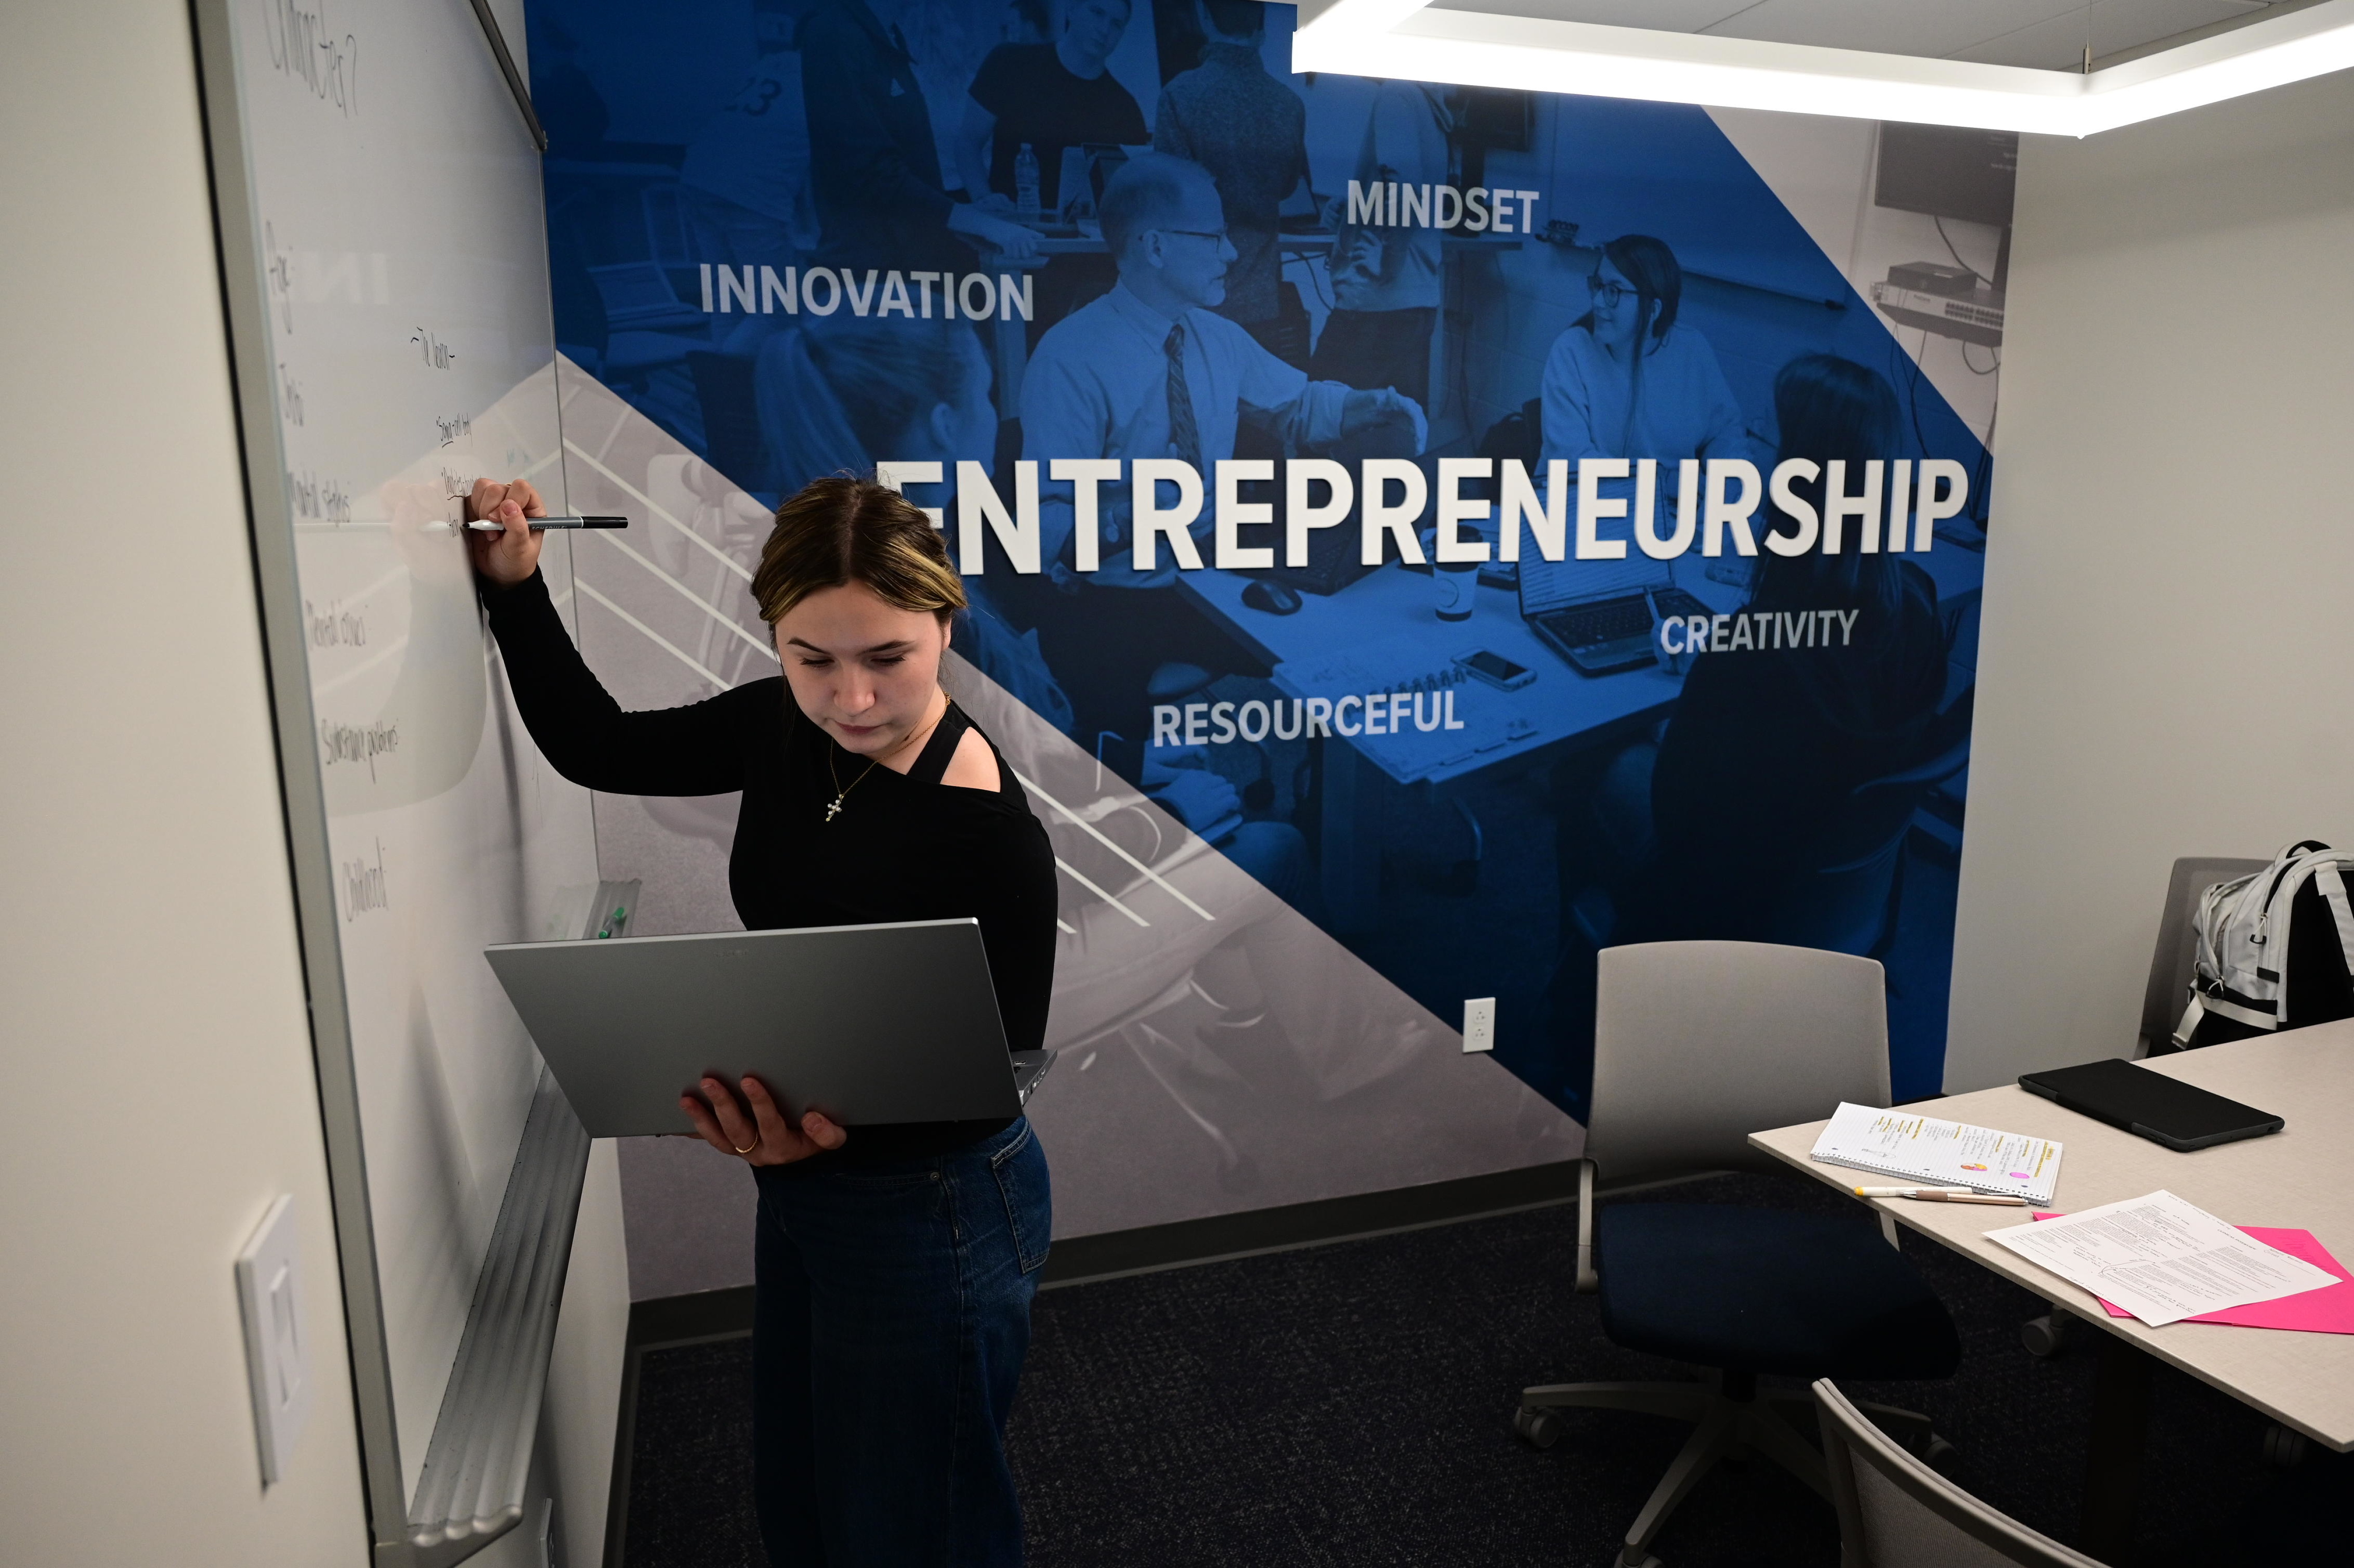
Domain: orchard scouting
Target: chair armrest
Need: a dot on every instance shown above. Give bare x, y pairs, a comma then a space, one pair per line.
1589, 1282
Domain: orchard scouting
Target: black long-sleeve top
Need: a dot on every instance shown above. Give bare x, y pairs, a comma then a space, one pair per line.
903, 847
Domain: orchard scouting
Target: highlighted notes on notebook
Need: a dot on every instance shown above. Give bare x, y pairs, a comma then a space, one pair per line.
1940, 1153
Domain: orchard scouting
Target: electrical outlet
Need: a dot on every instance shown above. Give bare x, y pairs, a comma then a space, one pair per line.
277, 1356
1479, 1023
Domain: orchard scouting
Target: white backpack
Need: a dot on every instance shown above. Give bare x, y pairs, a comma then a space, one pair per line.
2255, 934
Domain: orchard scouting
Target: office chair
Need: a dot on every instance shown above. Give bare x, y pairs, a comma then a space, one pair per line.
1896, 1512
1695, 1046
2178, 946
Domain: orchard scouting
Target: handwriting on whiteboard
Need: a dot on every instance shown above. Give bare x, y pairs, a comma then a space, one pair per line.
437, 354
320, 500
456, 428
364, 887
347, 743
336, 626
308, 51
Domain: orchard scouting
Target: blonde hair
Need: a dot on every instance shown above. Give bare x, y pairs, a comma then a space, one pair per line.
843, 529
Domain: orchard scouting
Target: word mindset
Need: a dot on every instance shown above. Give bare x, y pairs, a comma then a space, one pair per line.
1388, 205
1714, 502
821, 290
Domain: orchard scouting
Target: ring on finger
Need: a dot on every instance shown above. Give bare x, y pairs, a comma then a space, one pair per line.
747, 1148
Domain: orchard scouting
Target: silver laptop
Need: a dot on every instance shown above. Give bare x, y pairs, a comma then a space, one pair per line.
1599, 615
871, 1024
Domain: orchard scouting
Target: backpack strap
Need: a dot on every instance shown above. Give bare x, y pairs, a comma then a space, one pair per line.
2332, 883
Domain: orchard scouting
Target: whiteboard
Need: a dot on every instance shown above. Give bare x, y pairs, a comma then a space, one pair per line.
387, 281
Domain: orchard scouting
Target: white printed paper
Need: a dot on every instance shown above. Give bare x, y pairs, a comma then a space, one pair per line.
2162, 1259
1940, 1153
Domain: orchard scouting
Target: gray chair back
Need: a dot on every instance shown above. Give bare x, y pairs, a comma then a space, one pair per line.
1698, 1045
2169, 967
1896, 1512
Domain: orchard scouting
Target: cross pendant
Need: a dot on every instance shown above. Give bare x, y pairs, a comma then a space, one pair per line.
834, 808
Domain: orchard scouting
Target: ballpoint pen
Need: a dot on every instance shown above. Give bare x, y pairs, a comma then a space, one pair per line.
1940, 1195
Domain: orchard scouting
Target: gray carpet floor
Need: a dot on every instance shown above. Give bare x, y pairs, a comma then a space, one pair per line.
1350, 1405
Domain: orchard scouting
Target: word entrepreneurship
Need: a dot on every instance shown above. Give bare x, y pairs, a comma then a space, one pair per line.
1893, 508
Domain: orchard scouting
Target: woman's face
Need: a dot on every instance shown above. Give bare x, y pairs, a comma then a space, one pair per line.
862, 670
1615, 307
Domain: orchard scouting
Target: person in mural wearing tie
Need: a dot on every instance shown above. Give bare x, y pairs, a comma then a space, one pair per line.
1151, 370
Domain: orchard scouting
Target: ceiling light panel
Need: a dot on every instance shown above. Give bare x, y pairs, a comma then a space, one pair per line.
1482, 43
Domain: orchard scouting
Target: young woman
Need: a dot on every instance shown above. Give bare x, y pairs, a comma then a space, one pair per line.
896, 1265
1626, 381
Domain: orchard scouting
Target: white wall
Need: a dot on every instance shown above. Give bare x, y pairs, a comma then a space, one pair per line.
156, 1089
581, 1412
2168, 664
155, 1080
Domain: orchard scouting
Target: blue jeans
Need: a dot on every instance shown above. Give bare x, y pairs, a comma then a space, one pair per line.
894, 1312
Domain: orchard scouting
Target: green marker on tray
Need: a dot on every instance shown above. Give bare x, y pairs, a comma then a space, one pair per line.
621, 913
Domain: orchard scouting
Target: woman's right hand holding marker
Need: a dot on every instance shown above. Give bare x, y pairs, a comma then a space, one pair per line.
511, 554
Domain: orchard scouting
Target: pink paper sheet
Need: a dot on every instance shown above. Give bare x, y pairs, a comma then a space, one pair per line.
2328, 1311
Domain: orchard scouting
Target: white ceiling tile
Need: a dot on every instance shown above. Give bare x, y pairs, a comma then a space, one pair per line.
2108, 26
1888, 27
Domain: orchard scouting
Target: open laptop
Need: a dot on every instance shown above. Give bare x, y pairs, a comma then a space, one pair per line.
1600, 615
871, 1024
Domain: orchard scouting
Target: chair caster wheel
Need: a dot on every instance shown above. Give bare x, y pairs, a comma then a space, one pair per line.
1537, 1428
1939, 1455
2044, 1337
2284, 1449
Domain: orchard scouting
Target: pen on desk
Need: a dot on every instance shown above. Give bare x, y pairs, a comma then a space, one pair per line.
481, 525
1940, 1195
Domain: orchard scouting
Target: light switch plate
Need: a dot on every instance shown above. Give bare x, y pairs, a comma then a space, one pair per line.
1479, 1023
277, 1339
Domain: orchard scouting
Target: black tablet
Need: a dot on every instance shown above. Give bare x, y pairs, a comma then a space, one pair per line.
2151, 1104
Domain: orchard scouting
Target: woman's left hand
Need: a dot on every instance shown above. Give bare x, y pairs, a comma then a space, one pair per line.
755, 1128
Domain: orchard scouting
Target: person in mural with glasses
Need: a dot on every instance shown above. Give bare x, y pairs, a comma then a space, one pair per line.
1151, 370
1628, 381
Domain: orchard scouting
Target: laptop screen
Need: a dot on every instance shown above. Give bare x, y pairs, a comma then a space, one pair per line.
1552, 585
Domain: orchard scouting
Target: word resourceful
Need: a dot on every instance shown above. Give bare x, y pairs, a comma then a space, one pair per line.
1895, 507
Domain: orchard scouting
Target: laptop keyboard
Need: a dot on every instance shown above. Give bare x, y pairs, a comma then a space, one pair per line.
1591, 625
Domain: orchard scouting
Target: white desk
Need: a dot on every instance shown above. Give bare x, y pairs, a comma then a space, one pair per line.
2302, 1177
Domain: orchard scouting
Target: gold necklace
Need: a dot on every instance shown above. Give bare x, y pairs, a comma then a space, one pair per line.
841, 792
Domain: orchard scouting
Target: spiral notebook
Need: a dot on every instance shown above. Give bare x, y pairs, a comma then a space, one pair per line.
1936, 1153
